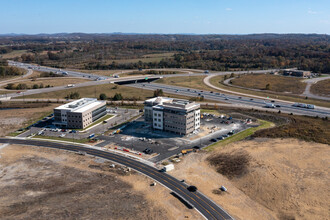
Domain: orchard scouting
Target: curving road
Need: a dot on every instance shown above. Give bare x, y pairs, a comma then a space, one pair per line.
201, 203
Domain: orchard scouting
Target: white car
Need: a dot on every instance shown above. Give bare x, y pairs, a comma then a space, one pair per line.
62, 135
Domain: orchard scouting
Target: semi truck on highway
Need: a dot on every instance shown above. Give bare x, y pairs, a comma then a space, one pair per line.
270, 105
302, 105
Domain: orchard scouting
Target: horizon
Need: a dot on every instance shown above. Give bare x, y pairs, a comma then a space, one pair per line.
170, 17
131, 33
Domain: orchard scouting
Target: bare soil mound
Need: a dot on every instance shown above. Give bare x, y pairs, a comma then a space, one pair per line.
265, 178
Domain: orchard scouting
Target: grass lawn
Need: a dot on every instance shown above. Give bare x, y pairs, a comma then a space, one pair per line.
94, 92
106, 117
292, 85
82, 141
241, 135
195, 82
216, 81
58, 81
14, 53
321, 88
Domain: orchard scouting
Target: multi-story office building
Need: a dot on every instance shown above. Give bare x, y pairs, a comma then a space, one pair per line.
174, 115
80, 113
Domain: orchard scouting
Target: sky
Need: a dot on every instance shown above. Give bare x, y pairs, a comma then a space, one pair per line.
166, 16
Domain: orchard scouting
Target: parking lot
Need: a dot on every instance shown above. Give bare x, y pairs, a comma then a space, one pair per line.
140, 136
45, 127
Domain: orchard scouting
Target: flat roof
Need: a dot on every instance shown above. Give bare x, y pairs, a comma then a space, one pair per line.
80, 105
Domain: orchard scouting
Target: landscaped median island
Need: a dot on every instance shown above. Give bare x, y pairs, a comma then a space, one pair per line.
241, 135
101, 120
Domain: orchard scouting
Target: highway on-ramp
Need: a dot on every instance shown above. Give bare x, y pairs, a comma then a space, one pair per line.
201, 203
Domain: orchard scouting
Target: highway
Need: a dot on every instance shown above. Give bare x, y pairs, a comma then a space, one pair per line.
232, 99
201, 203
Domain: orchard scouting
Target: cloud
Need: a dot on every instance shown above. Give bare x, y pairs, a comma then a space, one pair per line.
312, 12
228, 9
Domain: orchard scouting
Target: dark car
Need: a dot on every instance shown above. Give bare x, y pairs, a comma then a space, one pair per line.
192, 188
214, 140
239, 97
272, 101
148, 151
277, 106
251, 99
211, 92
220, 138
196, 147
225, 136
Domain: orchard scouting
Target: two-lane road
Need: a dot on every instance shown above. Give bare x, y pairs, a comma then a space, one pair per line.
202, 204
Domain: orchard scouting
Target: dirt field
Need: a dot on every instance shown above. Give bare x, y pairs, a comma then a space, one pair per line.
277, 83
13, 119
321, 88
265, 178
40, 183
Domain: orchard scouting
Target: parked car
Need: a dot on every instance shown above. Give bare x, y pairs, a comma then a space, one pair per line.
214, 140
148, 151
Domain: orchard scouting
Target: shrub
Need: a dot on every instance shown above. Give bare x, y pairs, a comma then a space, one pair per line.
117, 97
103, 96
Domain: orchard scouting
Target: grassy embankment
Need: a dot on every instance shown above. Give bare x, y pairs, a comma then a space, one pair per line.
321, 88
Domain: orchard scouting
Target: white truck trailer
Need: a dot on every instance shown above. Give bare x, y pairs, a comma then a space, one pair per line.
168, 167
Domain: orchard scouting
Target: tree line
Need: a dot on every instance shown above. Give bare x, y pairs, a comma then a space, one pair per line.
213, 52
